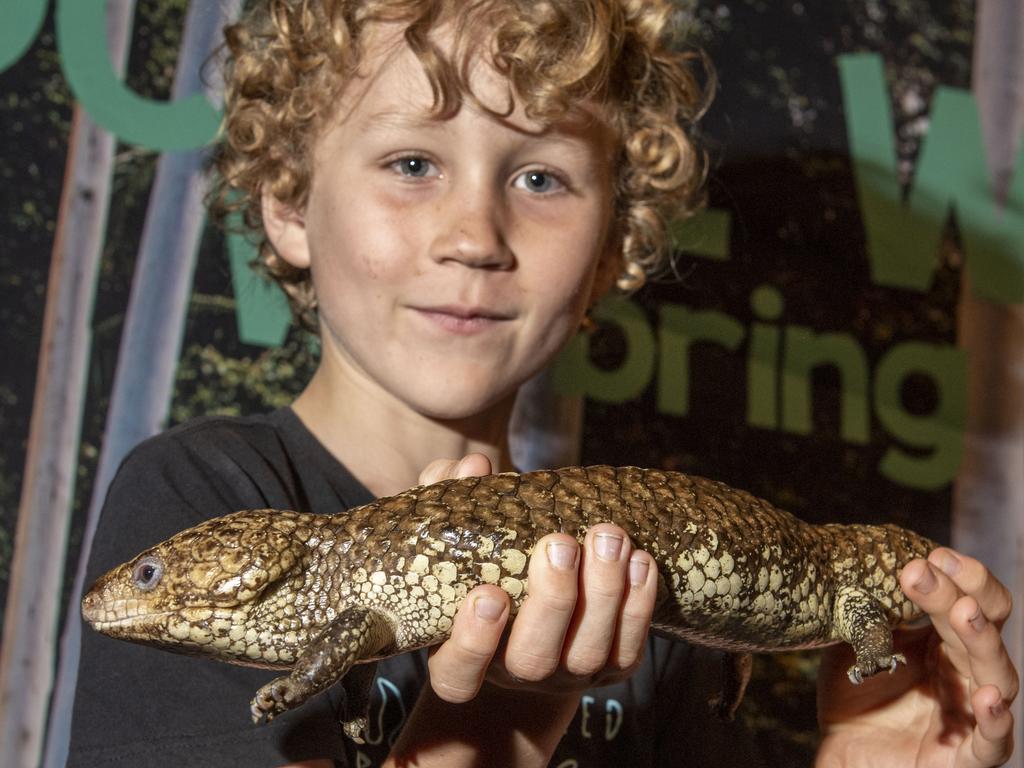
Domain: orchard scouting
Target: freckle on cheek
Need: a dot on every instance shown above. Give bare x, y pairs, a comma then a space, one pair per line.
371, 270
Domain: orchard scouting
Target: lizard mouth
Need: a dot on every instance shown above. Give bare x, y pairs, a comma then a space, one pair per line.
110, 626
104, 616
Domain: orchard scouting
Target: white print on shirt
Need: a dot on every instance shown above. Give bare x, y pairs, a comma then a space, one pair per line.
389, 696
391, 708
612, 717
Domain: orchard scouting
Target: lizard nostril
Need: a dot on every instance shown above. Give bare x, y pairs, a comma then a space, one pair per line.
91, 607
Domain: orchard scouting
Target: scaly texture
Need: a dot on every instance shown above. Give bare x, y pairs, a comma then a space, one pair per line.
317, 594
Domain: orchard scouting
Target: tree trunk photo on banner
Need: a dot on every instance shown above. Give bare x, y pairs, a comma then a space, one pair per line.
151, 342
29, 648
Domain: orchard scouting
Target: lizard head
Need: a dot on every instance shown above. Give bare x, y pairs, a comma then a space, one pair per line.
176, 591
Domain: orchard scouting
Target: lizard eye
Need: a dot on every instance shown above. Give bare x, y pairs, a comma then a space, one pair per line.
147, 573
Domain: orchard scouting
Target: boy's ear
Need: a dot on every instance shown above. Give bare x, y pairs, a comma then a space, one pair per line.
286, 230
608, 269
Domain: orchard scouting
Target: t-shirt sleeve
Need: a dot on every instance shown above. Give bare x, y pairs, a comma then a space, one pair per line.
136, 705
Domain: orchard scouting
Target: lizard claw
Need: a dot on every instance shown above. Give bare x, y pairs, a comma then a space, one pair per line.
897, 659
857, 675
271, 700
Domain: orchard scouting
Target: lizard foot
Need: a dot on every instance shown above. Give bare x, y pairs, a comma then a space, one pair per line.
857, 674
271, 700
356, 729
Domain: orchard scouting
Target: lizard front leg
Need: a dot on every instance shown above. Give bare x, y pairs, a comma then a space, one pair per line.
859, 619
357, 633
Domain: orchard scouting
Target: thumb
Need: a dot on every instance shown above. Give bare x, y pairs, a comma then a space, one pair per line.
470, 465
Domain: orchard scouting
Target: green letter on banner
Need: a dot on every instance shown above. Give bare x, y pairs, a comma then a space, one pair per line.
167, 126
936, 437
903, 239
261, 308
22, 20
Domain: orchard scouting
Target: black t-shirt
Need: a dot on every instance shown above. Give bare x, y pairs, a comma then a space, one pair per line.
136, 705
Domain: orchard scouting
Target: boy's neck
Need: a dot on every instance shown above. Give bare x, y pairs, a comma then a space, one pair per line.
384, 443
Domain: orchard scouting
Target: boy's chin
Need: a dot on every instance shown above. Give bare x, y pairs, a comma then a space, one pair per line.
455, 403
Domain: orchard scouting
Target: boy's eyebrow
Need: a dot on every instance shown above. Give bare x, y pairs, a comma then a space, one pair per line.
398, 120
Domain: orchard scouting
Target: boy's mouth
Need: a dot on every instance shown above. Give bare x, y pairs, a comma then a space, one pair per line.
462, 319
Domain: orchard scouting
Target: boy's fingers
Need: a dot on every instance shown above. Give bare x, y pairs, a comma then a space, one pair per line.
604, 572
458, 666
987, 658
637, 609
935, 594
971, 636
973, 578
534, 649
972, 643
470, 465
991, 742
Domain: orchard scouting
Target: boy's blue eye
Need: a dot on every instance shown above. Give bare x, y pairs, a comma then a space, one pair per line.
417, 167
538, 181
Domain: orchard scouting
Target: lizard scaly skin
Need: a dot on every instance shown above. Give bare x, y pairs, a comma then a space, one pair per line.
318, 594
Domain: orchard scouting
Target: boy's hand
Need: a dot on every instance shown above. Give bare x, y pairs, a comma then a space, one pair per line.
584, 622
471, 465
950, 705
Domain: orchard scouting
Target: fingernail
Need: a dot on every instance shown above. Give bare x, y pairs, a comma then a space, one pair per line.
927, 582
638, 568
607, 546
978, 621
488, 609
562, 555
950, 564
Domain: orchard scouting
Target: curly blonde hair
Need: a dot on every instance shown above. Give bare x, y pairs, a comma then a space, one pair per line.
289, 59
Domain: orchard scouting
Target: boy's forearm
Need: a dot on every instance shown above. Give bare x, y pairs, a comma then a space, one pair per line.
500, 727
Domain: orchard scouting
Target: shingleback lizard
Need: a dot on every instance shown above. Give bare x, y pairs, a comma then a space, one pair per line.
318, 594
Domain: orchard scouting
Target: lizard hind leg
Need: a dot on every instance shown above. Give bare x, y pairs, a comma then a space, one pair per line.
357, 633
736, 669
860, 620
358, 684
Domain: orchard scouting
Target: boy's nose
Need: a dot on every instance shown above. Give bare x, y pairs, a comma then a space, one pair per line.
471, 231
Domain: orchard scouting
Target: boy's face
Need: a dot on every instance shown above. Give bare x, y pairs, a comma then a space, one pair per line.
450, 259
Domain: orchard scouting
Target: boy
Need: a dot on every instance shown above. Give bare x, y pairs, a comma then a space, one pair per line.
443, 190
